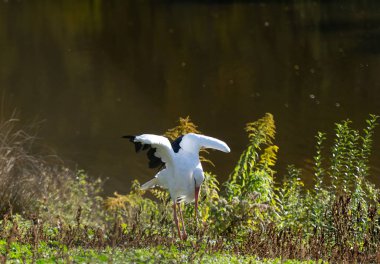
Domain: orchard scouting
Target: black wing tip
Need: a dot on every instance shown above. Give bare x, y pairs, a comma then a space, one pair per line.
138, 145
131, 138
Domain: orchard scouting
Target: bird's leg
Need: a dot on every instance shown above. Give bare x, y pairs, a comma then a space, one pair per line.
196, 195
176, 219
182, 222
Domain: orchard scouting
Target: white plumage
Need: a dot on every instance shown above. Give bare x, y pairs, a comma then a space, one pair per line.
182, 172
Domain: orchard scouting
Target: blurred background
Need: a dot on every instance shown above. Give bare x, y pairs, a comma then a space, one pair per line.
94, 70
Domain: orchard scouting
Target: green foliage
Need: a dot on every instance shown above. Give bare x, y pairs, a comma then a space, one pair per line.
319, 170
337, 220
250, 188
68, 195
24, 253
328, 220
349, 162
254, 171
342, 204
136, 215
291, 200
347, 169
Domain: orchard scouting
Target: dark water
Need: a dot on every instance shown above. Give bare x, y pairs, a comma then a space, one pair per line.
95, 70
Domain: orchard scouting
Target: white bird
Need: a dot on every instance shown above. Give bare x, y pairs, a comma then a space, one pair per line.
181, 170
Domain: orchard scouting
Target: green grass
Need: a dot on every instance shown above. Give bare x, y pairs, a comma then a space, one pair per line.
46, 253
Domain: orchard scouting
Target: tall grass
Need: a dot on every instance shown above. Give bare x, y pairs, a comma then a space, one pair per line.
32, 184
20, 171
338, 220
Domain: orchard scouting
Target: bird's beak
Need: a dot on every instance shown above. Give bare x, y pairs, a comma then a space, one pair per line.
196, 201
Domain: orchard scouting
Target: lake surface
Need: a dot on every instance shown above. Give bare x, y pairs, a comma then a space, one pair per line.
96, 70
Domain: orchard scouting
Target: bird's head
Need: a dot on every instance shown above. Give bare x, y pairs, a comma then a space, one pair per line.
198, 180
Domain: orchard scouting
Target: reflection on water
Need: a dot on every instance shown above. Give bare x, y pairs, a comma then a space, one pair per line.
95, 70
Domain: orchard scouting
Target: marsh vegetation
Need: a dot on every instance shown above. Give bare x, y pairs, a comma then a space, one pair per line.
51, 213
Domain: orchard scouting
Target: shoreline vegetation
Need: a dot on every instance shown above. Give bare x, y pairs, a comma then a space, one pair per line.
51, 214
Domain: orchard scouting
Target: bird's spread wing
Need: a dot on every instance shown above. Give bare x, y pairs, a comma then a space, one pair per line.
194, 142
159, 148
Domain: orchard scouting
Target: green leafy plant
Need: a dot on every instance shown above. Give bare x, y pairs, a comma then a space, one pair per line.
291, 201
67, 192
254, 170
248, 218
340, 206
